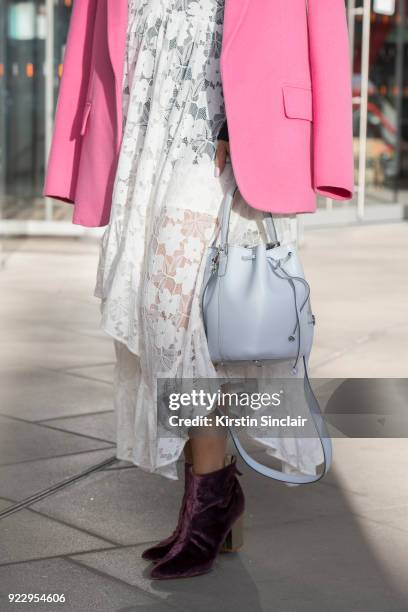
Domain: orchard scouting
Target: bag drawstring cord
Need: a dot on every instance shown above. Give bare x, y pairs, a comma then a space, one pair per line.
275, 265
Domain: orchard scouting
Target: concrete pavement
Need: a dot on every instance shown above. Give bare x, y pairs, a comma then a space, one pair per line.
338, 545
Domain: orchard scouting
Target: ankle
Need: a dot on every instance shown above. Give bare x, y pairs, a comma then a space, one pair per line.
201, 469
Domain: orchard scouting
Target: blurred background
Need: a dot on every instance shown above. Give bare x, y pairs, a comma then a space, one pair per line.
32, 41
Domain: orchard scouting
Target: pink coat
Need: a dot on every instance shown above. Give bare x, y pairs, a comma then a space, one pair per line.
285, 70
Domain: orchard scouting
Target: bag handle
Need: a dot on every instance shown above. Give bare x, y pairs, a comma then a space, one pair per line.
324, 437
226, 207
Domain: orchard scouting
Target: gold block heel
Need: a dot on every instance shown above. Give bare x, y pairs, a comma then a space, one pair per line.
235, 537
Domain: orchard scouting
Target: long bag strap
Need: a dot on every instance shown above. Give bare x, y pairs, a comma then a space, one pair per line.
324, 438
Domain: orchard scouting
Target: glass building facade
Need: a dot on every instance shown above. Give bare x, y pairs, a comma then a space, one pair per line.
32, 41
385, 122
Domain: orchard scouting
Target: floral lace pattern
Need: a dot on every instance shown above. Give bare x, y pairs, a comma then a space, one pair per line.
180, 40
165, 206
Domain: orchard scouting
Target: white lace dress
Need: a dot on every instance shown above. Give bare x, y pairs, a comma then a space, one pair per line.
165, 204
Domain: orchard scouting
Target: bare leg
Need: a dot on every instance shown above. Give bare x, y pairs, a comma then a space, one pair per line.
188, 454
208, 447
208, 453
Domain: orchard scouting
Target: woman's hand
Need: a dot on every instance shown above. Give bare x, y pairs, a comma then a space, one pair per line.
223, 151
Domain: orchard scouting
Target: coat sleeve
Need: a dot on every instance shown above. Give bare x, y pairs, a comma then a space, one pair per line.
333, 164
63, 159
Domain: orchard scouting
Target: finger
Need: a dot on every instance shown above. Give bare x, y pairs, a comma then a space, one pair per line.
220, 157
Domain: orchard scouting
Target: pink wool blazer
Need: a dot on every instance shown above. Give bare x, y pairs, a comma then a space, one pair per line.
285, 69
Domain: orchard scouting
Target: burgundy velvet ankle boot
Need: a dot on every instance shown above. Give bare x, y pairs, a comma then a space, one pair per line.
160, 550
215, 501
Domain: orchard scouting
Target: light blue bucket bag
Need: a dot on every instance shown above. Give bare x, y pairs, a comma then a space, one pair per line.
256, 307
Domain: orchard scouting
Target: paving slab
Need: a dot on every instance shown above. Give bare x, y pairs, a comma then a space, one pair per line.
84, 589
41, 393
270, 501
230, 586
28, 535
22, 480
327, 564
347, 563
101, 426
125, 506
360, 327
46, 341
369, 355
371, 473
102, 372
350, 487
120, 465
60, 329
25, 441
77, 346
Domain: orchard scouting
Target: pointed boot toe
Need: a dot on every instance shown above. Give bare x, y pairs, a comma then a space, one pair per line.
215, 502
161, 549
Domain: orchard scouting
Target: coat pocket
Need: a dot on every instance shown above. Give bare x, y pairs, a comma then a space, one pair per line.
297, 102
85, 117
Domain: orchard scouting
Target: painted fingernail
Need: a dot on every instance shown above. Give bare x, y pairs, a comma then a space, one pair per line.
217, 172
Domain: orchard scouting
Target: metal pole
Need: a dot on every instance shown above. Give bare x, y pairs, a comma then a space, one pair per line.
3, 111
3, 103
49, 91
363, 108
351, 21
399, 81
